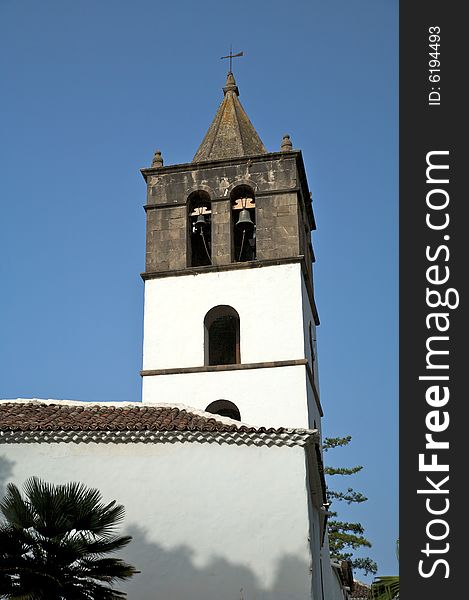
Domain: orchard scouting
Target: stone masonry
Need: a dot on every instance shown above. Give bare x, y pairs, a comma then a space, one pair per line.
283, 208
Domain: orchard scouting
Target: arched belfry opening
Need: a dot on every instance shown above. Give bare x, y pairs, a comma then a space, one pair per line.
221, 326
200, 229
224, 408
243, 206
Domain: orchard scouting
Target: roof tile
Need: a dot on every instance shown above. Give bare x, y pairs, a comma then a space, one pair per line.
35, 415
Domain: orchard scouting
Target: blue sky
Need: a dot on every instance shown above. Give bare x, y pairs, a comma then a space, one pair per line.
92, 88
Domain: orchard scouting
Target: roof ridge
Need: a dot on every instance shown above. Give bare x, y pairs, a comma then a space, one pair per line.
236, 104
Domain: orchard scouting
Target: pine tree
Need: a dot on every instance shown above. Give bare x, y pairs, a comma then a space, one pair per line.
346, 537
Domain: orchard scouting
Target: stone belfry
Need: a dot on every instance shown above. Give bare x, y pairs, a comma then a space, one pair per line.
229, 317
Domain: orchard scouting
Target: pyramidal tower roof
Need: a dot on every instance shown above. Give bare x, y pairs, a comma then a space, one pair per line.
231, 133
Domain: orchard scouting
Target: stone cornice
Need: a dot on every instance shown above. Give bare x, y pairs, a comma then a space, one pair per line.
221, 368
236, 160
235, 266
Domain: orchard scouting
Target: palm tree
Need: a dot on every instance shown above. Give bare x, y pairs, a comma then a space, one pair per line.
385, 588
54, 542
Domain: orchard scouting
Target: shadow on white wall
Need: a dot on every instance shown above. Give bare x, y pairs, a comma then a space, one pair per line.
6, 471
173, 574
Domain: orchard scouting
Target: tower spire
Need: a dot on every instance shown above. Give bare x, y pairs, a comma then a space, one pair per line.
231, 133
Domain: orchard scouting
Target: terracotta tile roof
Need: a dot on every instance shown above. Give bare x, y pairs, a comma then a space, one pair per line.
36, 415
360, 590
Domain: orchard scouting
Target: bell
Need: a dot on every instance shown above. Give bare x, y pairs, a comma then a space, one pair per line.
201, 223
244, 220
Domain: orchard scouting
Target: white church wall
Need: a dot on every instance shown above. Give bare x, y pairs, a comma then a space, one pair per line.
336, 590
314, 414
315, 543
309, 328
273, 397
209, 521
268, 301
333, 588
308, 323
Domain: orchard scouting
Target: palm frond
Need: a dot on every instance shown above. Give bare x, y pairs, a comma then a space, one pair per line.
385, 588
14, 509
54, 543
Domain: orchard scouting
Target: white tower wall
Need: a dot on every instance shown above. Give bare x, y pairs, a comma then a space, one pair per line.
270, 301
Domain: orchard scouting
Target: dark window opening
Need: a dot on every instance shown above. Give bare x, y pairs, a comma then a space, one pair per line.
244, 223
311, 343
222, 346
311, 347
222, 336
224, 408
200, 230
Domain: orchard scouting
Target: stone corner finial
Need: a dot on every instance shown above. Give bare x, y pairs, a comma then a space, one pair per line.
157, 159
286, 144
230, 85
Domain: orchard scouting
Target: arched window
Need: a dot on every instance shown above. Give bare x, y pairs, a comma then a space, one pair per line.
200, 229
244, 223
224, 408
221, 326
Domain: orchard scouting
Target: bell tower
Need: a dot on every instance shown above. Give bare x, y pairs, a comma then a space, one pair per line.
229, 315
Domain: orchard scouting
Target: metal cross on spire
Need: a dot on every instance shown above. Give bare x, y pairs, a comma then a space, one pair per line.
231, 56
